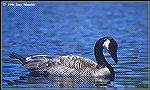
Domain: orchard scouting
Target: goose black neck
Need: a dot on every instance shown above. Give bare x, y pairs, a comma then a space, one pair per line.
98, 50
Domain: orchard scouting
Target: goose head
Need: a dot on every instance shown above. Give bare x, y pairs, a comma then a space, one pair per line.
111, 45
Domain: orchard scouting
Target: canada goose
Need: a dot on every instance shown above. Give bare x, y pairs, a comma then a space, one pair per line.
74, 65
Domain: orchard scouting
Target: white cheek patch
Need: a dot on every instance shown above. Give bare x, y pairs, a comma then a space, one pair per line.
106, 43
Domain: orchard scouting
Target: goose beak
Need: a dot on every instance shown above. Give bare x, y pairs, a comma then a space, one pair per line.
113, 50
114, 56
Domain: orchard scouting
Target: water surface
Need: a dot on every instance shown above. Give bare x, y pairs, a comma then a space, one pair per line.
72, 29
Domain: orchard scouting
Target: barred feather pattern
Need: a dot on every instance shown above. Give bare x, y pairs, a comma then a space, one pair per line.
65, 65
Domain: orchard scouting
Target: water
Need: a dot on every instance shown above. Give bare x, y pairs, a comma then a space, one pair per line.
72, 29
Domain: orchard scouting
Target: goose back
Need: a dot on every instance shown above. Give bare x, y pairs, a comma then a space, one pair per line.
77, 62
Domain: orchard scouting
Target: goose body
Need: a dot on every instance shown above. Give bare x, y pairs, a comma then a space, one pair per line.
74, 65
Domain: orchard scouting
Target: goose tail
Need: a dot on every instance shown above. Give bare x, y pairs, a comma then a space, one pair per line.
17, 56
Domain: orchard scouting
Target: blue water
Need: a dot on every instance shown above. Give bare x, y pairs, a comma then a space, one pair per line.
72, 29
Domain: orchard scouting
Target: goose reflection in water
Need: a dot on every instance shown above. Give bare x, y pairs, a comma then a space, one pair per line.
59, 81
